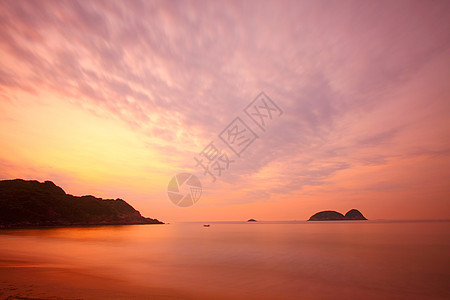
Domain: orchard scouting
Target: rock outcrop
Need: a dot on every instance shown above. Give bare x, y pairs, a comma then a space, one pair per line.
354, 214
33, 204
330, 215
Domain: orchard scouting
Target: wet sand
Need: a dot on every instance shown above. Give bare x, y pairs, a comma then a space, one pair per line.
21, 279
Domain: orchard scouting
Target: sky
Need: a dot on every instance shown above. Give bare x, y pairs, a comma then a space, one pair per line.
114, 98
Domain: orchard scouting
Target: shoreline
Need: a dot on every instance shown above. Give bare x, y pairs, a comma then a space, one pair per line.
8, 227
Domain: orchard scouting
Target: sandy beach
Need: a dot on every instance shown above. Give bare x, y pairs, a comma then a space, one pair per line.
20, 279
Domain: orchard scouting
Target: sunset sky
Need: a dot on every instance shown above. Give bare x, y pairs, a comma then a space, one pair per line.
114, 98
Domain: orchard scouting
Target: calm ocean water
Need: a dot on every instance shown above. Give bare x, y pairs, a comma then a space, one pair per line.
264, 260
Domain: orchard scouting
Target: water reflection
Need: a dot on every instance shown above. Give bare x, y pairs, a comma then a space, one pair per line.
238, 260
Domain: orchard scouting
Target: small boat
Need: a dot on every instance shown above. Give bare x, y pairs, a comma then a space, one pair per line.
206, 225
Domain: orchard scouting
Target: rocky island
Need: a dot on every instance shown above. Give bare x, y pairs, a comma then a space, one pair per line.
34, 204
251, 220
330, 215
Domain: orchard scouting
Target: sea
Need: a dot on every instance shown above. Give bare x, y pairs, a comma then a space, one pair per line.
378, 259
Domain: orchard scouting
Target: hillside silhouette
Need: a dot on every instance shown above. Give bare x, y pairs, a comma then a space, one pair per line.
32, 204
330, 215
